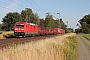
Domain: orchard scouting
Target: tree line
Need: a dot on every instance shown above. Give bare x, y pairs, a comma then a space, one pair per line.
27, 15
84, 24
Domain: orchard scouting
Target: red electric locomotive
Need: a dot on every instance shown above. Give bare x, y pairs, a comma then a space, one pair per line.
25, 29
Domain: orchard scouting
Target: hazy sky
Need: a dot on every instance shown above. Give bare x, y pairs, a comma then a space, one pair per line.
70, 10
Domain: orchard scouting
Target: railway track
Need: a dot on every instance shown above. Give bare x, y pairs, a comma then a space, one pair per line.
10, 41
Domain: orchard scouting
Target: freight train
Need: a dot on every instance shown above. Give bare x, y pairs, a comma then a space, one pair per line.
26, 29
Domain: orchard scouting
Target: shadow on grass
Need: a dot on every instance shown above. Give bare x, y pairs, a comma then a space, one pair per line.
9, 36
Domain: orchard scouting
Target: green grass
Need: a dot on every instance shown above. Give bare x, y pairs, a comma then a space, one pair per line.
87, 36
1, 32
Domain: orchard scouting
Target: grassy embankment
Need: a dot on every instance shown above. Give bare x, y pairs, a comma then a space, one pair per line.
56, 48
70, 48
1, 32
4, 34
87, 36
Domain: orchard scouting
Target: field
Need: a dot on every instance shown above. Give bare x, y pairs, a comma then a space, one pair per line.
5, 34
87, 36
56, 48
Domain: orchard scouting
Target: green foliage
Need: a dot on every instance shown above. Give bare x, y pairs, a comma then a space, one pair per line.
78, 30
85, 23
49, 21
56, 23
36, 19
1, 32
0, 26
63, 26
27, 15
42, 22
9, 20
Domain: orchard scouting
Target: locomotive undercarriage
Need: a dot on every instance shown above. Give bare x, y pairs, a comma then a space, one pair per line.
28, 34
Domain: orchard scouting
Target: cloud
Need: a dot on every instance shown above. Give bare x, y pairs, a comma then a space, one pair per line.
7, 9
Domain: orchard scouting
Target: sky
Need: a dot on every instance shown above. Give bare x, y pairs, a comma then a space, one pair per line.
71, 11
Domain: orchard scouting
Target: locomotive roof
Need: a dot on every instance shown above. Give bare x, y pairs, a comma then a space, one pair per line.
27, 23
32, 24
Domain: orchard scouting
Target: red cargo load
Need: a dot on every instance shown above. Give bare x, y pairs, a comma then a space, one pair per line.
51, 31
41, 30
57, 30
62, 31
48, 31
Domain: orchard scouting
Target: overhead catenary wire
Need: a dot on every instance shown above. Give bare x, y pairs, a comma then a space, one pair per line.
38, 5
7, 8
3, 2
40, 8
31, 3
35, 7
43, 9
17, 3
11, 6
20, 0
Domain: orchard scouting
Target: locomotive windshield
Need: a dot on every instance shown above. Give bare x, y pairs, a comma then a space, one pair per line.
20, 25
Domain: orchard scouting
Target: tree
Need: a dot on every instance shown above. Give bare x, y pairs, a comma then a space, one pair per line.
42, 21
63, 26
49, 21
36, 19
0, 26
10, 19
56, 23
27, 15
85, 23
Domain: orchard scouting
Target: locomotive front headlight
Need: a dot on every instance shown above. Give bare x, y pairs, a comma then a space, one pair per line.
16, 29
22, 29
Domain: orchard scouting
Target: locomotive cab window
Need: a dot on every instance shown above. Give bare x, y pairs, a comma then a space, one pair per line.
20, 25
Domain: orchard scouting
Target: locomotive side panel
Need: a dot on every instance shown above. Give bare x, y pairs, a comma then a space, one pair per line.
31, 30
